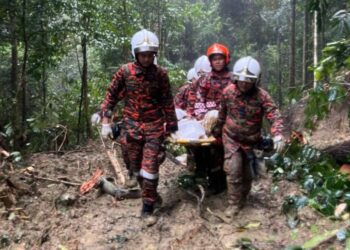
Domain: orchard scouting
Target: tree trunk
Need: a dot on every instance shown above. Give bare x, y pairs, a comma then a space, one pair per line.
43, 78
14, 51
43, 91
84, 102
126, 49
305, 46
86, 88
279, 70
22, 87
315, 46
24, 64
292, 47
15, 116
159, 30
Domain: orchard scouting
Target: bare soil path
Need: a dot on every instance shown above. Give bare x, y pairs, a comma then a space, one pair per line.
52, 215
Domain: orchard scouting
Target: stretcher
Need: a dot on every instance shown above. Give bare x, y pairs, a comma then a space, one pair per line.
193, 142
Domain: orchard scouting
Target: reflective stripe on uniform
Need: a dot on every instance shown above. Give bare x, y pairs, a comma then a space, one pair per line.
148, 176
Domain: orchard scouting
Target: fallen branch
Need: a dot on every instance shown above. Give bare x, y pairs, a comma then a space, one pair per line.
199, 198
219, 216
55, 181
64, 131
116, 167
92, 182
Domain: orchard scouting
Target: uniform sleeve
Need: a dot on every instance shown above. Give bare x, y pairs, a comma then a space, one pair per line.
167, 102
197, 98
191, 98
115, 92
222, 117
201, 95
202, 91
180, 99
272, 114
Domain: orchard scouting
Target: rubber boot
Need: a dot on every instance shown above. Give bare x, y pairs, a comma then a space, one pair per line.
147, 215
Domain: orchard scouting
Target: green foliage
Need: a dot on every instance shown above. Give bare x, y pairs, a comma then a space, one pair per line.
318, 175
336, 56
190, 181
319, 102
341, 23
175, 149
177, 75
185, 29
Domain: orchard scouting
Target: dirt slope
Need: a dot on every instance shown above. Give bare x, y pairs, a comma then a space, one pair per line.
98, 221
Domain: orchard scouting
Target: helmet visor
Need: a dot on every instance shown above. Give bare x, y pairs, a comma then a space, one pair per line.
146, 49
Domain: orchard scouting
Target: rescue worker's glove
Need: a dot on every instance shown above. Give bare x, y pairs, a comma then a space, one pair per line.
278, 143
106, 130
95, 119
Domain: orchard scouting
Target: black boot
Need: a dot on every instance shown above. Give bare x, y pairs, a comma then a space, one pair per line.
147, 214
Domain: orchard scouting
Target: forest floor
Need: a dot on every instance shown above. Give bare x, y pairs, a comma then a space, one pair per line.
39, 219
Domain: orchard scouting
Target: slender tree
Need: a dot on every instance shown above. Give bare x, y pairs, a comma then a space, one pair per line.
292, 46
315, 43
305, 45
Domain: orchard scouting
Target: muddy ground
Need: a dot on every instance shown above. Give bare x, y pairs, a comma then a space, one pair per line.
39, 219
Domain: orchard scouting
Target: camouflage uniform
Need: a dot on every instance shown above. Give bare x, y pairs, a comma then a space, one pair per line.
180, 99
148, 105
240, 122
206, 94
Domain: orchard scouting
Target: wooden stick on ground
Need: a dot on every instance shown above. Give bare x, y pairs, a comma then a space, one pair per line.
56, 181
116, 167
199, 199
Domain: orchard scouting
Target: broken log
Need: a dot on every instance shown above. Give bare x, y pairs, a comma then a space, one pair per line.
338, 149
92, 182
116, 167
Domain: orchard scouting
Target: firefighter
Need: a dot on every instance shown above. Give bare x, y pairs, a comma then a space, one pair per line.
243, 107
180, 99
148, 115
209, 88
202, 68
206, 96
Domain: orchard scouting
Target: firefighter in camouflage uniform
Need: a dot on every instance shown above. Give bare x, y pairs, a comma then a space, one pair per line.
206, 96
243, 107
148, 115
181, 98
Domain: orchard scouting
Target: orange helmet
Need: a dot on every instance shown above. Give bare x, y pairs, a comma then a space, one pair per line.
218, 48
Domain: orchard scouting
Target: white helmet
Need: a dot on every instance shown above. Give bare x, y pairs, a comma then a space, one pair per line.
202, 64
191, 74
144, 41
246, 67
